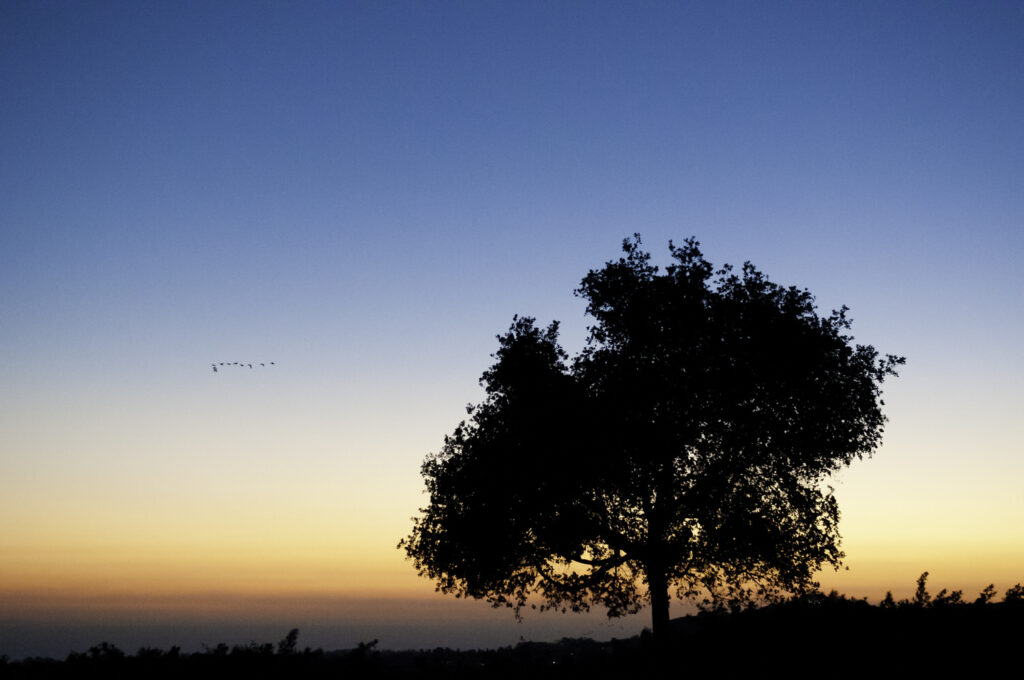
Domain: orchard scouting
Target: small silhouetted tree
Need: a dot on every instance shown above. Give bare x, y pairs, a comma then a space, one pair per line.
946, 598
986, 595
921, 596
684, 450
289, 643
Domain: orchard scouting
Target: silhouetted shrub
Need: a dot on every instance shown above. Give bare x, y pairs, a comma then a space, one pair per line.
986, 595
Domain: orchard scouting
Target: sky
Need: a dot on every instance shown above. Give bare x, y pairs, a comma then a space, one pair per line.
365, 193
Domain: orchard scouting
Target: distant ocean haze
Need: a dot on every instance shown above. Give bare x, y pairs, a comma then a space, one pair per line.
28, 627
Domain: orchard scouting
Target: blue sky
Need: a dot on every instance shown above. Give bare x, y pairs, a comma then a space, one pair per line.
365, 193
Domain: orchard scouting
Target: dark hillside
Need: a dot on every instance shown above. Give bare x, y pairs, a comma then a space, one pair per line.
818, 636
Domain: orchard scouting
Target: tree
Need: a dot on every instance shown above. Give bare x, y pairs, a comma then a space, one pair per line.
683, 450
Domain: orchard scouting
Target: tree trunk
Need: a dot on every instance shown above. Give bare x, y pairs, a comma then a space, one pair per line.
657, 586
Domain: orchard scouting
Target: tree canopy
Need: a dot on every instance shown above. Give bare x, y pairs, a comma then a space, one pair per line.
684, 450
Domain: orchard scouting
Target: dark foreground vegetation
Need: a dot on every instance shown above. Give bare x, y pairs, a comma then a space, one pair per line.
821, 636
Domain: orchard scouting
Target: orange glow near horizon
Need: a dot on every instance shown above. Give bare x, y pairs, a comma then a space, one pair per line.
289, 536
294, 516
240, 579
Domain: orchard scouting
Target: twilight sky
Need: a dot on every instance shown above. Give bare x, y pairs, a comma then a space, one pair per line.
366, 192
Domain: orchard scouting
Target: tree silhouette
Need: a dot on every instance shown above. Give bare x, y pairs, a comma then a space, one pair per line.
683, 450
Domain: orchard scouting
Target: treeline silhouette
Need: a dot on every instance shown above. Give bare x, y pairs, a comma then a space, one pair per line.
815, 635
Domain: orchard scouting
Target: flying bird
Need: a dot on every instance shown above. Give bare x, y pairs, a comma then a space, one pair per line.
241, 364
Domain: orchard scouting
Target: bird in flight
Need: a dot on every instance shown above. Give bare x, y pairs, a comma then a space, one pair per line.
240, 364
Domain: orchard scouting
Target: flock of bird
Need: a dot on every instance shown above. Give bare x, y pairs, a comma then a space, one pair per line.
240, 364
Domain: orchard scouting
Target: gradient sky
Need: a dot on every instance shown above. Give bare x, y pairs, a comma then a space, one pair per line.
367, 192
